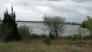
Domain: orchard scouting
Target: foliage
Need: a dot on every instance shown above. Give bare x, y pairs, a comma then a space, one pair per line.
48, 41
76, 37
36, 36
43, 36
74, 23
24, 31
9, 27
51, 36
89, 24
54, 25
83, 25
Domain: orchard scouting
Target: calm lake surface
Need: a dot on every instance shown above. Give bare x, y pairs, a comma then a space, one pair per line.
40, 28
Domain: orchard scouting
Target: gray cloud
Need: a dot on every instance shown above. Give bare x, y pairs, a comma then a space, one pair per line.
82, 0
33, 10
55, 0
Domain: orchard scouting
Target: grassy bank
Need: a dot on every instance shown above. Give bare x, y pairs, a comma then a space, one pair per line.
39, 46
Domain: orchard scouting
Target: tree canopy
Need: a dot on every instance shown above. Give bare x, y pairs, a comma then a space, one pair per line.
88, 24
9, 26
54, 25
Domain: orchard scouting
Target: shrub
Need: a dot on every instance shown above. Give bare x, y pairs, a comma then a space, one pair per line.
48, 41
24, 31
43, 36
76, 37
37, 36
51, 36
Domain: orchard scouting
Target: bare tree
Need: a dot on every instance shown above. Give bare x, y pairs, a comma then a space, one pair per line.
55, 25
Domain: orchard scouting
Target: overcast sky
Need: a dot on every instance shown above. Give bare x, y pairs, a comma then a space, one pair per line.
34, 10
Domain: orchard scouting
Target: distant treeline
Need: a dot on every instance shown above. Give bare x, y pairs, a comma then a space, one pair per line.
31, 21
72, 23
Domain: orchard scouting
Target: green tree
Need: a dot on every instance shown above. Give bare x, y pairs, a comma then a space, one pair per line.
25, 32
89, 24
83, 25
54, 25
9, 27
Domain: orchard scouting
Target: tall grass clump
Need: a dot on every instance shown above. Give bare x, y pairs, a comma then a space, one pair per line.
38, 36
76, 37
48, 41
24, 31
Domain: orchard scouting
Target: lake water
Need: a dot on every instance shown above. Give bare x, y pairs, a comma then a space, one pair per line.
40, 28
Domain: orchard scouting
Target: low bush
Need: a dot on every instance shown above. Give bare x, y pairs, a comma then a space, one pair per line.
37, 36
34, 36
43, 36
24, 31
76, 37
51, 36
48, 41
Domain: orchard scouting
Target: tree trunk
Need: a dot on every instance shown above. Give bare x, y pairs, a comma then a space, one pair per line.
56, 34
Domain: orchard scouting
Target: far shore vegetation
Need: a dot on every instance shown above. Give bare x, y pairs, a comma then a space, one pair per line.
70, 23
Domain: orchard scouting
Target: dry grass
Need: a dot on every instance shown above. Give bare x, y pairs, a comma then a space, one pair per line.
39, 46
